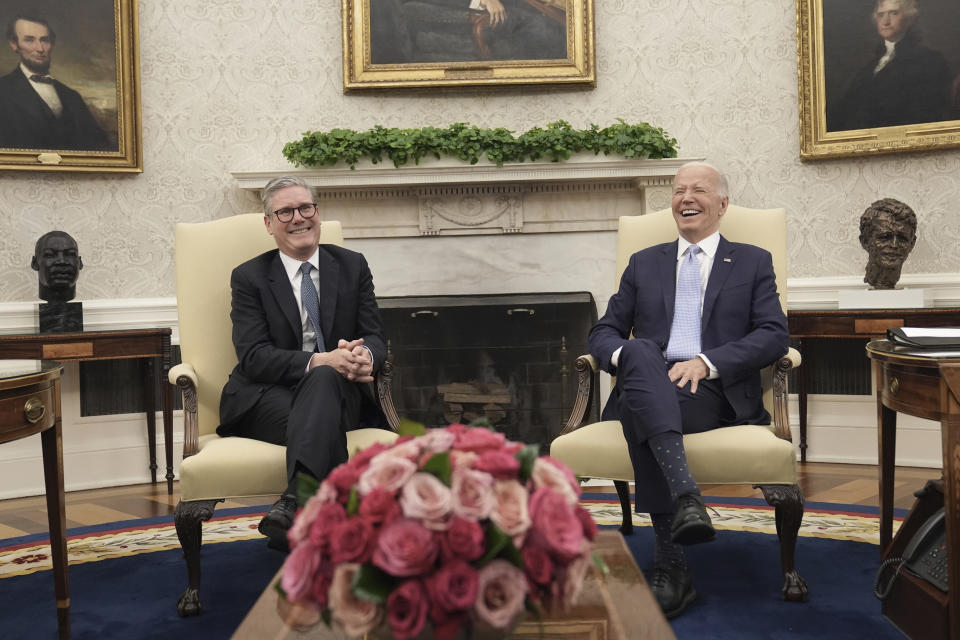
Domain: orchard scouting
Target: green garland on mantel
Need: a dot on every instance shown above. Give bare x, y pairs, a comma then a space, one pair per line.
557, 141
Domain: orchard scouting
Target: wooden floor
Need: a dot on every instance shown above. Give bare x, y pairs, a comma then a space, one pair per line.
821, 482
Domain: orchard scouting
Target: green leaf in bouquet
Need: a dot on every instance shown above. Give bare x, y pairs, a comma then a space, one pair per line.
599, 563
482, 421
279, 589
411, 428
327, 618
372, 584
439, 465
307, 486
353, 502
527, 456
500, 545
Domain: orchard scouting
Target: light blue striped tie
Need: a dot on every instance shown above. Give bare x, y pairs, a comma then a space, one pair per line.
685, 331
310, 301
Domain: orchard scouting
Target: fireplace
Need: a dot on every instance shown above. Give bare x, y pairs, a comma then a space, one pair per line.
508, 358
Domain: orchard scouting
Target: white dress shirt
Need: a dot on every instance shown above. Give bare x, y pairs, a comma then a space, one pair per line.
46, 91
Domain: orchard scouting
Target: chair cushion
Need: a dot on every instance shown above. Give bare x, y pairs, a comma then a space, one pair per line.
745, 454
242, 467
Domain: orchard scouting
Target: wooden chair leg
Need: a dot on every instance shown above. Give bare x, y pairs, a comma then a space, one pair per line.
623, 490
188, 518
787, 501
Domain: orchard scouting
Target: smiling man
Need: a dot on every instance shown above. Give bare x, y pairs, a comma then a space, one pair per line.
686, 335
308, 336
902, 82
37, 111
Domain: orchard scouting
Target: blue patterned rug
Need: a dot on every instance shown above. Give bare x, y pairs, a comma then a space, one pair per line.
125, 577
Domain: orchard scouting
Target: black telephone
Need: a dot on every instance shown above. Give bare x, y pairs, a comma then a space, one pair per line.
925, 556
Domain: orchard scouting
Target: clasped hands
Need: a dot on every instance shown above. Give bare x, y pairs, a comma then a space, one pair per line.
692, 371
349, 359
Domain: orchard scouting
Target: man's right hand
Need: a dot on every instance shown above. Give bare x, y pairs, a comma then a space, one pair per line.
349, 359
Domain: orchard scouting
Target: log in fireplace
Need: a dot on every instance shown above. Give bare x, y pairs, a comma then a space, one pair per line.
508, 358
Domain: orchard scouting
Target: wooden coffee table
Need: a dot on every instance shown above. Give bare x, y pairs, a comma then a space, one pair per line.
616, 606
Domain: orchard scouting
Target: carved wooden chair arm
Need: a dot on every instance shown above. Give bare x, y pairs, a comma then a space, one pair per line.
587, 369
781, 412
184, 376
384, 385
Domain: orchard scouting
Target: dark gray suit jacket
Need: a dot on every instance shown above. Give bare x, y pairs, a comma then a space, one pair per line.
267, 332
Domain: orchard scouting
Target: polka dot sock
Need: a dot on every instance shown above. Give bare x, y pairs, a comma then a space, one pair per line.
668, 449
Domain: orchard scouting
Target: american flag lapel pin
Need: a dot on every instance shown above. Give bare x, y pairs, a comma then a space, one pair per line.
728, 260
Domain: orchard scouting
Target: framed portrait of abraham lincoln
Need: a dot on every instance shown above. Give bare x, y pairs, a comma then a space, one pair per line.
70, 86
878, 76
392, 44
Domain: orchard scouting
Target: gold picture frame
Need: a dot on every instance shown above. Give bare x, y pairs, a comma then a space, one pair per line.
847, 108
390, 44
92, 84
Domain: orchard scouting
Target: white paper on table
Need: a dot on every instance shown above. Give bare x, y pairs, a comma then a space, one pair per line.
931, 332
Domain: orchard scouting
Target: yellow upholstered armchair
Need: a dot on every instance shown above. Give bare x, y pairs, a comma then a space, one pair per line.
215, 468
746, 454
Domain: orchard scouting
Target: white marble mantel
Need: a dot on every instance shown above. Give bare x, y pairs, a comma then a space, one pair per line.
448, 197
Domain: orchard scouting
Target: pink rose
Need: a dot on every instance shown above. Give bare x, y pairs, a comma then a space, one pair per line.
329, 514
572, 576
498, 463
326, 492
298, 571
502, 588
447, 624
548, 472
510, 511
379, 507
356, 616
386, 472
362, 458
351, 541
462, 458
586, 520
537, 565
437, 440
555, 525
463, 539
409, 449
453, 587
343, 478
472, 493
320, 589
407, 607
405, 548
478, 438
426, 498
304, 518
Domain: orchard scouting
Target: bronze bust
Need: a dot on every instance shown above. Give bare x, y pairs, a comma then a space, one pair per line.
888, 231
57, 263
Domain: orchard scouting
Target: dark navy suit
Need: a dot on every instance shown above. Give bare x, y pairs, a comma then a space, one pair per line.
270, 395
26, 122
743, 329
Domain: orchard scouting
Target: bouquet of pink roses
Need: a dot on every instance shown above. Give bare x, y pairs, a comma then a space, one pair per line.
455, 527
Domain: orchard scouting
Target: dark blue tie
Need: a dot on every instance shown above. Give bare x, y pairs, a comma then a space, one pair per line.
310, 301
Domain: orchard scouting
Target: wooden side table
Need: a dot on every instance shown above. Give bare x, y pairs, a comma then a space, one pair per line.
926, 388
111, 345
853, 323
29, 404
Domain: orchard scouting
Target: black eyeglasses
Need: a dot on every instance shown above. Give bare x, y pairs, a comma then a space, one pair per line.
306, 211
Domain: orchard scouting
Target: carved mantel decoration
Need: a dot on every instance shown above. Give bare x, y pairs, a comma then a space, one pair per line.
447, 197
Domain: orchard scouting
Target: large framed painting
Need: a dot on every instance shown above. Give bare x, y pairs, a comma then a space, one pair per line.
70, 86
388, 44
878, 76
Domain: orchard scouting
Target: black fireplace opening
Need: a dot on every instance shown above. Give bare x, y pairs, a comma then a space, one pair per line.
508, 358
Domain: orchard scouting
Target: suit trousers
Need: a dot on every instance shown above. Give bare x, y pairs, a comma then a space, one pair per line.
650, 404
310, 419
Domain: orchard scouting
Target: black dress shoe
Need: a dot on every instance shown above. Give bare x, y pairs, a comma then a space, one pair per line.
691, 524
277, 521
672, 589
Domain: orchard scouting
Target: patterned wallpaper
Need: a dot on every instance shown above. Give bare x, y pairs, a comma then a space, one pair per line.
225, 83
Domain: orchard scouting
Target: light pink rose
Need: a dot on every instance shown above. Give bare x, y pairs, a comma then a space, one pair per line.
405, 548
501, 590
462, 458
555, 525
472, 493
387, 472
298, 571
437, 440
510, 512
326, 492
548, 472
301, 522
409, 449
426, 498
407, 607
572, 577
354, 615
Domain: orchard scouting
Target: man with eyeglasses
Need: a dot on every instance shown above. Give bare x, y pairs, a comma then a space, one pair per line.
308, 334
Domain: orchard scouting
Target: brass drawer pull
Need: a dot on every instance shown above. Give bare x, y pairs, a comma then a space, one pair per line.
894, 386
34, 410
521, 310
428, 313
